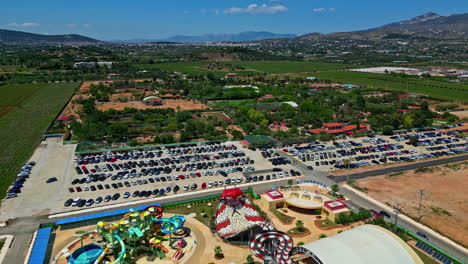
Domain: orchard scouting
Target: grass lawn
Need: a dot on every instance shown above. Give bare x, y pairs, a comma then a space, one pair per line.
2, 242
325, 223
199, 208
35, 106
296, 232
285, 219
274, 67
425, 258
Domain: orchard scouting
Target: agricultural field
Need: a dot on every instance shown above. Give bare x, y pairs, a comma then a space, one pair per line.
35, 107
436, 89
12, 69
14, 95
251, 67
276, 67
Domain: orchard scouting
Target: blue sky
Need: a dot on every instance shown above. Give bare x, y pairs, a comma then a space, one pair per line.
127, 19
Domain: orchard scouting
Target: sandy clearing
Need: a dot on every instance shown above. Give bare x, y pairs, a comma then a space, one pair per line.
444, 189
175, 104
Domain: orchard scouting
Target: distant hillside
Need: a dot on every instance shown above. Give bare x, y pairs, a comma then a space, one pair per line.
20, 37
244, 36
430, 25
430, 22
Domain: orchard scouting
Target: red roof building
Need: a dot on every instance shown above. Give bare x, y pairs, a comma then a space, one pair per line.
335, 205
63, 118
232, 193
266, 96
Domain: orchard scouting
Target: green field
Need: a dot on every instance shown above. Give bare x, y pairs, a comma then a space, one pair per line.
275, 67
12, 69
437, 89
14, 95
251, 67
22, 127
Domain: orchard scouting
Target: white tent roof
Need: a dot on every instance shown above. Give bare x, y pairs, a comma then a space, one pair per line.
367, 244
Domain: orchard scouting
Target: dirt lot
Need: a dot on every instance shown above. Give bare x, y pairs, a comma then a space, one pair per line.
169, 103
121, 97
445, 196
72, 108
86, 84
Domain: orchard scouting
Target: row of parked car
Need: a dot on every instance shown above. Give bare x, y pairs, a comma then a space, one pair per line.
96, 178
191, 160
112, 156
15, 188
78, 202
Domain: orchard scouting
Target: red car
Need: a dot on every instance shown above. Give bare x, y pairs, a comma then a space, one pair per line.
203, 185
182, 177
78, 189
198, 174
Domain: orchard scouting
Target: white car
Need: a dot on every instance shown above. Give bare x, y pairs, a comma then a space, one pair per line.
126, 195
86, 188
210, 185
186, 188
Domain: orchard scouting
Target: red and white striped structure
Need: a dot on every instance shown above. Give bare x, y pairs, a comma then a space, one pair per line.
235, 214
274, 244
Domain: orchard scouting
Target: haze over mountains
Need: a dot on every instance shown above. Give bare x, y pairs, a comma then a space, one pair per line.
430, 23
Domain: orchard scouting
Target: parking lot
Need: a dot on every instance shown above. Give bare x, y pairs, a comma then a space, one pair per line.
97, 179
376, 150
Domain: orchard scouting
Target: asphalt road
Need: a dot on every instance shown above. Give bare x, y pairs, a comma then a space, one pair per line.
358, 201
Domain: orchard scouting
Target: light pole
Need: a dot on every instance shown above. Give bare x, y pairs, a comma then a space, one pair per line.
421, 193
397, 211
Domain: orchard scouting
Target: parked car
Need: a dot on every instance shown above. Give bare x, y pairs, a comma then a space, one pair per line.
53, 179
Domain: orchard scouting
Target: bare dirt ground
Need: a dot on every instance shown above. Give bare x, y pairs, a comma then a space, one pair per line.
121, 96
175, 104
73, 109
86, 84
461, 114
445, 196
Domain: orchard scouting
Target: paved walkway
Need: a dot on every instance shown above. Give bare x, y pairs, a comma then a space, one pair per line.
6, 246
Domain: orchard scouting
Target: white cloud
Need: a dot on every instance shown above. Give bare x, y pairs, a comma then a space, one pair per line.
26, 24
322, 9
87, 25
257, 9
72, 25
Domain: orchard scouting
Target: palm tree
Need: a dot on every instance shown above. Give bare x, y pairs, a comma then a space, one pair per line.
218, 251
300, 225
250, 259
335, 188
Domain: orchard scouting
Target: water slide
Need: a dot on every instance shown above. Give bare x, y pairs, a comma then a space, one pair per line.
170, 225
122, 250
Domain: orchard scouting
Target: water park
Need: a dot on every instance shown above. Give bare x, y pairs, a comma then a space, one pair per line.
236, 225
139, 237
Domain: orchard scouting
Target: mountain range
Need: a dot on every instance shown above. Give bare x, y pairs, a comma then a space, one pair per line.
430, 24
236, 37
